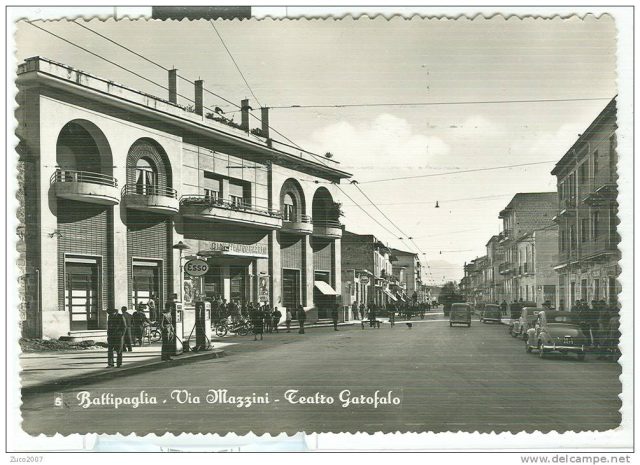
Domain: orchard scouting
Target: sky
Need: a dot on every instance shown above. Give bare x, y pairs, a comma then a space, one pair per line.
447, 63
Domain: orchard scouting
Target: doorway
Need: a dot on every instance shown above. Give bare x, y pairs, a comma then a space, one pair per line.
291, 289
146, 285
81, 295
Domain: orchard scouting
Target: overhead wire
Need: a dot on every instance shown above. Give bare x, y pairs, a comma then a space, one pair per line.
420, 104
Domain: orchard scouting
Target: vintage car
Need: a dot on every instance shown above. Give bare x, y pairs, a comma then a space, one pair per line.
556, 331
460, 314
514, 311
528, 316
491, 313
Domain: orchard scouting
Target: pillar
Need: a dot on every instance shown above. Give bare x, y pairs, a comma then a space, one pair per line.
275, 270
308, 277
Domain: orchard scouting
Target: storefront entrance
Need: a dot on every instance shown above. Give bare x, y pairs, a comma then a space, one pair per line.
291, 289
323, 302
146, 285
81, 294
228, 279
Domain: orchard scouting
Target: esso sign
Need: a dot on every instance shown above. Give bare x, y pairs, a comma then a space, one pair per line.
196, 267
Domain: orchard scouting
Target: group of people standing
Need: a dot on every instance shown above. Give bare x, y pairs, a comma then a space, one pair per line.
124, 330
404, 309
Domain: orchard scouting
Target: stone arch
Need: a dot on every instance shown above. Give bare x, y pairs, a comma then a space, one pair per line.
323, 207
292, 189
82, 146
148, 150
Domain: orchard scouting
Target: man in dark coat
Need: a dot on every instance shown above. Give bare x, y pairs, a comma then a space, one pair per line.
302, 317
116, 327
128, 339
139, 320
275, 318
334, 316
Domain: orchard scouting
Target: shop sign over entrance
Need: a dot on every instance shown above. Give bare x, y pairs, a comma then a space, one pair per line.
196, 267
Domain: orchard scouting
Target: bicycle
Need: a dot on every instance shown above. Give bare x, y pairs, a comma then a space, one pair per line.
241, 328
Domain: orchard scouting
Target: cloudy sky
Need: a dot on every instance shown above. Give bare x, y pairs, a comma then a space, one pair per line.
446, 63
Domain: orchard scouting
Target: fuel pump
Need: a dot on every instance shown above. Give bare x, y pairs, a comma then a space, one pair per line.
203, 325
178, 326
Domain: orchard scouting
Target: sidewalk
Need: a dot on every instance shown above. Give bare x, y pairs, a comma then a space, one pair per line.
48, 371
51, 370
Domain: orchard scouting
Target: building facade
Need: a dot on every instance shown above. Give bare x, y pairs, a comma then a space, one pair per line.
534, 269
525, 213
120, 189
408, 269
366, 270
587, 215
495, 258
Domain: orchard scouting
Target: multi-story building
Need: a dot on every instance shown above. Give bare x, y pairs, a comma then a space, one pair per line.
120, 188
525, 213
537, 254
410, 263
476, 283
587, 214
367, 270
495, 257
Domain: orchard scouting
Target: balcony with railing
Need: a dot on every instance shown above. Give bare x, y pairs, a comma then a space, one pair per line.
236, 210
297, 224
602, 195
85, 186
505, 268
330, 229
154, 199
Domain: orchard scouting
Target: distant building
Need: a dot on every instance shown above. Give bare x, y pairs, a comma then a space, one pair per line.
410, 263
495, 258
587, 214
525, 213
367, 271
534, 269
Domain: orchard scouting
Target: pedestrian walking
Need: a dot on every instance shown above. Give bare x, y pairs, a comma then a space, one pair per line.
362, 311
392, 316
266, 314
275, 318
116, 327
151, 306
168, 333
334, 316
257, 319
354, 310
503, 307
372, 315
139, 321
287, 319
302, 317
128, 339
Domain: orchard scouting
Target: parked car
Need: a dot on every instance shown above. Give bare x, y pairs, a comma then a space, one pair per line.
515, 310
491, 313
527, 319
556, 331
460, 314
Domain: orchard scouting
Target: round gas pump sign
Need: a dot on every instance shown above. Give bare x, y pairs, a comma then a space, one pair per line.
196, 267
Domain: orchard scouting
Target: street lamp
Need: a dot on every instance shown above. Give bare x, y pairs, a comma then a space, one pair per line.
181, 246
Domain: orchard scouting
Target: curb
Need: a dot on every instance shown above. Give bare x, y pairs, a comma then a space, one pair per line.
62, 383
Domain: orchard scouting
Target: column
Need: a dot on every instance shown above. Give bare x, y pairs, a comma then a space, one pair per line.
308, 277
275, 270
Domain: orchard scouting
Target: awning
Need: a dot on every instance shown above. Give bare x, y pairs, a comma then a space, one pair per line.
325, 288
390, 295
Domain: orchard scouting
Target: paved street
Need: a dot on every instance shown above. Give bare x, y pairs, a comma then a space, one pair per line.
447, 379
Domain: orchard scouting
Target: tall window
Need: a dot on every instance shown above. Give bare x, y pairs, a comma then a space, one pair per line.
584, 229
584, 173
572, 237
595, 164
595, 224
289, 208
146, 177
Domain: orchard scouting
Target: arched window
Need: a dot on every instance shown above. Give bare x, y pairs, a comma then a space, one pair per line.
289, 213
146, 177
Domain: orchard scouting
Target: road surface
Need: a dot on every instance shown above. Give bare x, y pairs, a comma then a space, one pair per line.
433, 378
